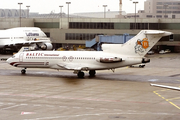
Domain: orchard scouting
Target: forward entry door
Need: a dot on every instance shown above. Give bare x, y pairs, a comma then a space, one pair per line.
21, 57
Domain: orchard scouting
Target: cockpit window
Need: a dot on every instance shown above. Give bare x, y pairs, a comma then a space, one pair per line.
13, 56
42, 34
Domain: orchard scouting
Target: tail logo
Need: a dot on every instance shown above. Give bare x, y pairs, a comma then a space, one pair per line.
141, 45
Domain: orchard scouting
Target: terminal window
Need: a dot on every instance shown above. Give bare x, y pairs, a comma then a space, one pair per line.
80, 36
92, 25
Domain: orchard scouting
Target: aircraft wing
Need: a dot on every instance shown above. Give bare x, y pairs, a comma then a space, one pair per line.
164, 86
24, 43
72, 66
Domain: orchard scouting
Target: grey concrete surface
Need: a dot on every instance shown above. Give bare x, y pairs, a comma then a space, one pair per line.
45, 94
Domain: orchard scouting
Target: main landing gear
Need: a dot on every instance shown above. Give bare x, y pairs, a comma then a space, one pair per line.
92, 73
80, 74
23, 71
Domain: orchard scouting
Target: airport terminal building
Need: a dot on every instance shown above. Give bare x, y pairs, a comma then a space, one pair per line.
79, 30
157, 9
76, 30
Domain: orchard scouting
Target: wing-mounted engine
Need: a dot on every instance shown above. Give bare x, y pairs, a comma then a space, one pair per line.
109, 59
45, 46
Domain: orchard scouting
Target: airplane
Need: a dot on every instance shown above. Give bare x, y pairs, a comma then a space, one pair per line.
23, 36
164, 86
113, 56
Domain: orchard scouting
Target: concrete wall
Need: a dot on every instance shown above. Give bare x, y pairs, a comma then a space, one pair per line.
6, 23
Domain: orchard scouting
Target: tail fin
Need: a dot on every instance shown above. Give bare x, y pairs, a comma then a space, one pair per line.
138, 45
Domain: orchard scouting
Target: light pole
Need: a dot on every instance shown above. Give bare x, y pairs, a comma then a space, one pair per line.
20, 14
27, 11
61, 15
104, 10
68, 11
135, 14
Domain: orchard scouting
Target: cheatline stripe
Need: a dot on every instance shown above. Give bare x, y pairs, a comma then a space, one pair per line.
28, 63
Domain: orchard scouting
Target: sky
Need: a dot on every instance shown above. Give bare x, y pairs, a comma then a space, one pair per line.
76, 6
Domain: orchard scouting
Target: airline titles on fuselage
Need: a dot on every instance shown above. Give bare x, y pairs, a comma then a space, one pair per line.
32, 34
55, 56
39, 54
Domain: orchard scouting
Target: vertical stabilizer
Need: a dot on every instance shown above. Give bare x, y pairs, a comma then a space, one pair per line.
138, 45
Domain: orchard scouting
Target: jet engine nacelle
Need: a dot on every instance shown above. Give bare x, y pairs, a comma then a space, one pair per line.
145, 60
46, 46
109, 59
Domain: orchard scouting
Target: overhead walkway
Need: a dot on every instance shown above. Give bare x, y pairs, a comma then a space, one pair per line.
109, 39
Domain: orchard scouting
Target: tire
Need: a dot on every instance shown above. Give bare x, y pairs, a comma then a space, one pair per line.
80, 74
92, 73
23, 71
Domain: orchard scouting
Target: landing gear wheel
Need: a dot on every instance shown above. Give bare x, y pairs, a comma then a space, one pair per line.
23, 71
92, 73
80, 74
141, 66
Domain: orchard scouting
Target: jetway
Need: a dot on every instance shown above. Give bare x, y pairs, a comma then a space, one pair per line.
110, 39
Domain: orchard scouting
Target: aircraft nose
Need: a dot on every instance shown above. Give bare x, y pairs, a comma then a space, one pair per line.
9, 60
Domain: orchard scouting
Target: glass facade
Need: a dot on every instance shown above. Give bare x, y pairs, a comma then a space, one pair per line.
121, 26
81, 36
47, 24
91, 25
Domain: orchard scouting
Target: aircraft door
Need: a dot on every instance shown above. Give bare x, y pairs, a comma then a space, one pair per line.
21, 57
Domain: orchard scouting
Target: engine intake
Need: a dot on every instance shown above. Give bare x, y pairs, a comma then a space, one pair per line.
145, 60
46, 46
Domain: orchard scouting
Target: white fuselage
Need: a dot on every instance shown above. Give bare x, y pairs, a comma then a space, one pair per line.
112, 56
74, 60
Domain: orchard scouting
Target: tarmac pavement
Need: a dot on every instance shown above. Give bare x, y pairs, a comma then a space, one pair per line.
126, 94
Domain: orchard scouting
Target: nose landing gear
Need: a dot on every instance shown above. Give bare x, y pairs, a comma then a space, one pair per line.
23, 71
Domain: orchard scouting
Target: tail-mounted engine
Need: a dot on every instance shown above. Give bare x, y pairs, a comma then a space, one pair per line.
145, 60
109, 59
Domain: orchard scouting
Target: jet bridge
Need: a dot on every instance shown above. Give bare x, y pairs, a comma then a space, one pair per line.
109, 39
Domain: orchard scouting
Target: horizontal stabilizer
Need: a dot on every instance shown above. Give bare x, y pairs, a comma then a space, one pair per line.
151, 32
